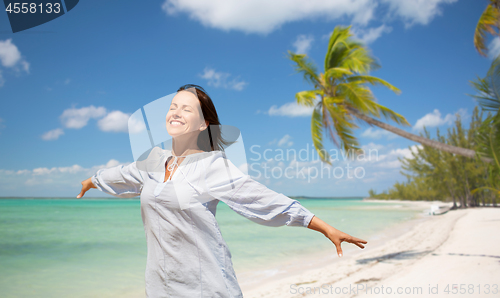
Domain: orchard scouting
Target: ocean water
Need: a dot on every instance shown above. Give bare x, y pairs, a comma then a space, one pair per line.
97, 247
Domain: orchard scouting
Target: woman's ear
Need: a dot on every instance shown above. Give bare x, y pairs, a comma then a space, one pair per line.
203, 127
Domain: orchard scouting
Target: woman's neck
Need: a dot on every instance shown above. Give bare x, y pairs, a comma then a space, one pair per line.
184, 147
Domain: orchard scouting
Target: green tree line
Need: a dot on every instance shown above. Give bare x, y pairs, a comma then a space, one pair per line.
435, 175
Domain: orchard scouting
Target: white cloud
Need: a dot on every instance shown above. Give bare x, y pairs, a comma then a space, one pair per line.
285, 141
26, 66
416, 12
368, 36
291, 109
10, 57
378, 133
78, 118
55, 176
391, 161
74, 169
46, 171
115, 121
52, 134
118, 121
135, 125
406, 152
494, 48
303, 43
434, 119
67, 81
372, 146
221, 79
9, 53
262, 16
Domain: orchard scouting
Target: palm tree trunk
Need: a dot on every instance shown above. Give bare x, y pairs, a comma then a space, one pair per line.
424, 141
452, 195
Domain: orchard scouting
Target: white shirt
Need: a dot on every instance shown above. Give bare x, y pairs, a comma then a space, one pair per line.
186, 254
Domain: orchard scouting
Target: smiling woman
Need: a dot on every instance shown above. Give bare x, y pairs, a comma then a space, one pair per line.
185, 115
179, 191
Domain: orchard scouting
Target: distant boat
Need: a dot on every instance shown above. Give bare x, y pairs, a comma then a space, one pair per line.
438, 210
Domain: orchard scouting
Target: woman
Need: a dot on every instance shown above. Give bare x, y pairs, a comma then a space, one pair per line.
179, 190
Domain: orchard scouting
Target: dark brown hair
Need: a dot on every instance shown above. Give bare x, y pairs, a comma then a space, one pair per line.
211, 138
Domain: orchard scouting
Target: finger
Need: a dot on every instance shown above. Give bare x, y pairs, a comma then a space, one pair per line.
356, 240
360, 240
339, 249
80, 194
353, 239
359, 245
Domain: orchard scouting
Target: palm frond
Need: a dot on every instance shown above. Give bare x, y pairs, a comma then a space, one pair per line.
343, 127
391, 115
337, 72
493, 77
488, 22
317, 134
308, 98
373, 81
357, 96
336, 50
302, 64
488, 139
486, 188
488, 89
486, 97
359, 59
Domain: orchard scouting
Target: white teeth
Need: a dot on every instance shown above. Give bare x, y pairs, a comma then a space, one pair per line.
176, 123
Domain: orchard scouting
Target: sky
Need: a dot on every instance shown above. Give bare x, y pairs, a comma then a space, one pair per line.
68, 87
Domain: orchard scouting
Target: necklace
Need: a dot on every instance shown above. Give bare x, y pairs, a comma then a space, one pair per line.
173, 165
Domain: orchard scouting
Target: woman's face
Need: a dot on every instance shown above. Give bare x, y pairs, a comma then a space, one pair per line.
185, 114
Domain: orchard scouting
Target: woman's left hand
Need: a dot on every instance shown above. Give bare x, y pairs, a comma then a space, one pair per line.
336, 236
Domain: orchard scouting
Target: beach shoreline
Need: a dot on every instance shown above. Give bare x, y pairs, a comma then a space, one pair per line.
405, 246
251, 279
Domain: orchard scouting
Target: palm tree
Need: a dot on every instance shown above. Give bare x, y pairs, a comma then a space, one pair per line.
489, 22
488, 138
340, 97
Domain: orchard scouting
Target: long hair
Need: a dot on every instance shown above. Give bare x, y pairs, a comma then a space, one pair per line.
211, 138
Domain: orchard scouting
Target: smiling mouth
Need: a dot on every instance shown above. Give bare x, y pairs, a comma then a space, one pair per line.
176, 123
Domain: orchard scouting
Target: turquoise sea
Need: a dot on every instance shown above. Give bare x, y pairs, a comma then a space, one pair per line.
57, 247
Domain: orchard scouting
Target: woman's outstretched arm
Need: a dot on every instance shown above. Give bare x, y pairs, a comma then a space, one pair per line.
336, 236
120, 181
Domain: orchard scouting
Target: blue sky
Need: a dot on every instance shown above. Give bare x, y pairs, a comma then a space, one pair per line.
68, 86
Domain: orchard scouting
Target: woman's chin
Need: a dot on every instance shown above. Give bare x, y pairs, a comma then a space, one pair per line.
175, 131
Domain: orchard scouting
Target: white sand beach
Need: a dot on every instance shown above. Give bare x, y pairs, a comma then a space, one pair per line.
454, 255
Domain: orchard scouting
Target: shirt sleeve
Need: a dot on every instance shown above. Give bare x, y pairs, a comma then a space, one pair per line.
252, 199
120, 181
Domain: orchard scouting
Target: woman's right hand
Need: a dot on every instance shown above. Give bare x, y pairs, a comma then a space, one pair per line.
86, 185
336, 236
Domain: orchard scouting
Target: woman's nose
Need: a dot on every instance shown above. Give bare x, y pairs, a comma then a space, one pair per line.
176, 113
